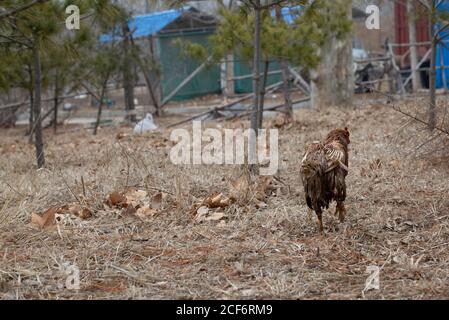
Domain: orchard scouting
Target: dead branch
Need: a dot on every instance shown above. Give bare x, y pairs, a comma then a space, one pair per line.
419, 120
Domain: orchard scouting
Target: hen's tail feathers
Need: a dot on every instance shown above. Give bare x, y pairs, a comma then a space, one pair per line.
313, 168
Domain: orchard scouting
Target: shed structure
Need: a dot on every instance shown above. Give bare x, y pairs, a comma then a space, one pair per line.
158, 33
423, 35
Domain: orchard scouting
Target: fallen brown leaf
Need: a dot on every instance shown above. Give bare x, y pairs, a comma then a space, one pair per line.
128, 212
136, 197
121, 135
217, 200
76, 210
46, 220
216, 216
117, 199
145, 212
205, 214
156, 201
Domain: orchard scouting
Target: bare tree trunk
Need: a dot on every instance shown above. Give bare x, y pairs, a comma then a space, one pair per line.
262, 94
285, 76
230, 88
101, 101
229, 64
29, 132
97, 122
31, 117
256, 116
56, 104
55, 114
412, 39
286, 89
146, 76
39, 142
226, 75
157, 87
128, 77
100, 107
333, 81
256, 63
150, 89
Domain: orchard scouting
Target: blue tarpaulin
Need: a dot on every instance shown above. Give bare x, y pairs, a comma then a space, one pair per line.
289, 13
442, 54
148, 24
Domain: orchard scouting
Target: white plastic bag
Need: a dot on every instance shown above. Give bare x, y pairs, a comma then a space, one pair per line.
145, 125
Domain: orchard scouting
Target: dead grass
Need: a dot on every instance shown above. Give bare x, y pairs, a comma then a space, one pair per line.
398, 219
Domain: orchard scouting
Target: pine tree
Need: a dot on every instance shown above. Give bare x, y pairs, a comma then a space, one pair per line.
38, 28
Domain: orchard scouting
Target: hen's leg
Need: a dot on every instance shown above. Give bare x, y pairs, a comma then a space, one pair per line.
309, 213
336, 210
320, 221
341, 211
340, 195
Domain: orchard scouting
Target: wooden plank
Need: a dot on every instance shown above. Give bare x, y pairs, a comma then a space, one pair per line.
270, 89
417, 68
248, 76
270, 108
305, 86
184, 82
368, 60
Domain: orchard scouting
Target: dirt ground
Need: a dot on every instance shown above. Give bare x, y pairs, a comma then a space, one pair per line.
398, 217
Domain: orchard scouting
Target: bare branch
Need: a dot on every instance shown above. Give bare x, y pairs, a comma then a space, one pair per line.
419, 120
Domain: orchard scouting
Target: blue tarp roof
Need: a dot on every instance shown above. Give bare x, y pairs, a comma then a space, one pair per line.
149, 24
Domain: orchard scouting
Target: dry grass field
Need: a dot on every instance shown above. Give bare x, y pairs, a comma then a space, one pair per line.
398, 217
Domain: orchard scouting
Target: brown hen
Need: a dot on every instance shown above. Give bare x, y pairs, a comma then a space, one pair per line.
323, 171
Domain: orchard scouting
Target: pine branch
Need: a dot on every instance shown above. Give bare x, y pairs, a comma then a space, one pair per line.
16, 41
20, 9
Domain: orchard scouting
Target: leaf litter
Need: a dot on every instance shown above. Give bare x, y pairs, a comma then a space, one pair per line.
262, 244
